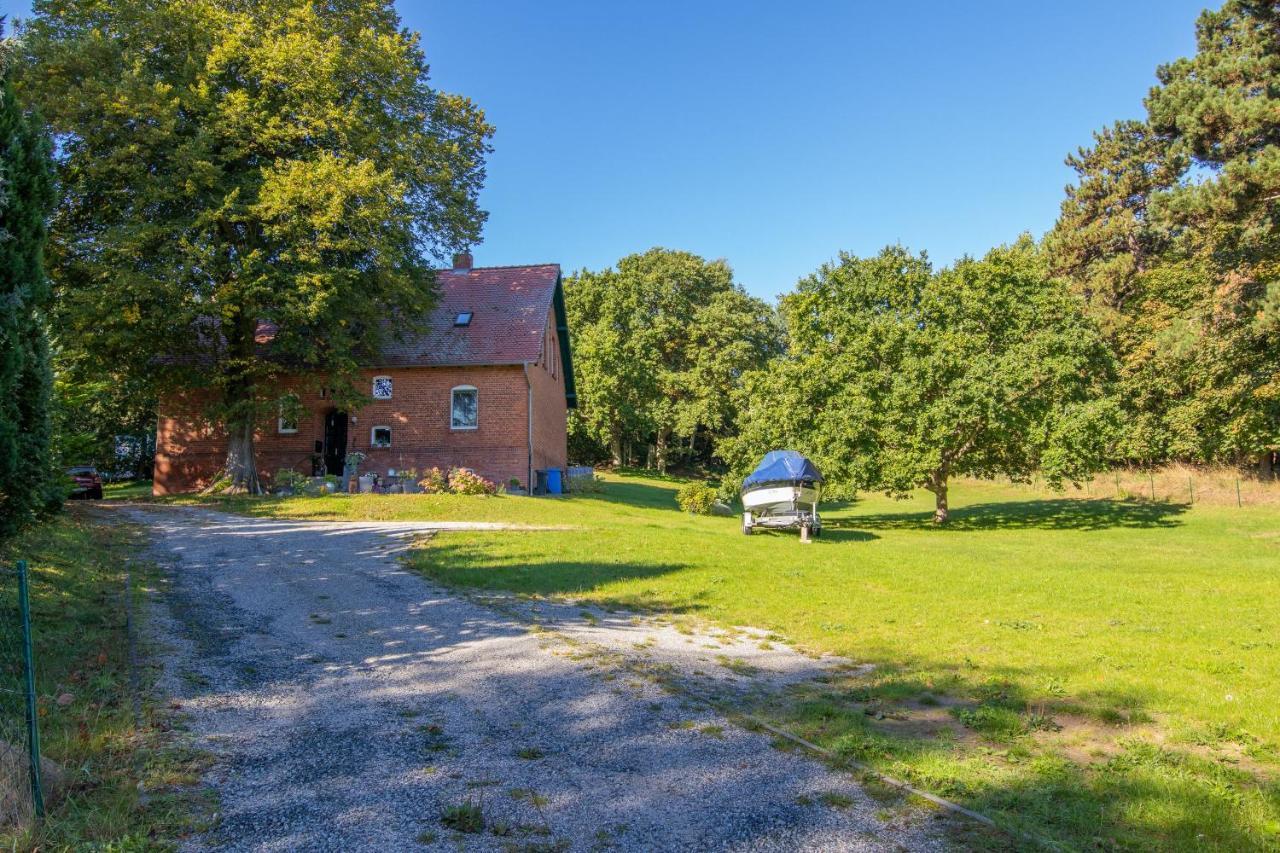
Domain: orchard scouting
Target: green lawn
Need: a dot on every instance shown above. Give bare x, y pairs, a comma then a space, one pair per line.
1084, 669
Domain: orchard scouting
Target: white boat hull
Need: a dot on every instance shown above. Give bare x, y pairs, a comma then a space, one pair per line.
779, 498
781, 506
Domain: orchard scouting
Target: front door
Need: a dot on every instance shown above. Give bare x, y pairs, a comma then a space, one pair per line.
335, 442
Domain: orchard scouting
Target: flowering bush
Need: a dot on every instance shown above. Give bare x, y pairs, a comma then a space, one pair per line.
464, 481
696, 498
434, 481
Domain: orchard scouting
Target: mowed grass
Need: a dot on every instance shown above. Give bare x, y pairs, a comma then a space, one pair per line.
1094, 672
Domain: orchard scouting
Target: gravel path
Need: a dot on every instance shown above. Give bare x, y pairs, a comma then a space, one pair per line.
351, 705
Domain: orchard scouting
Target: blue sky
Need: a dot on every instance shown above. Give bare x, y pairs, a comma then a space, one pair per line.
776, 134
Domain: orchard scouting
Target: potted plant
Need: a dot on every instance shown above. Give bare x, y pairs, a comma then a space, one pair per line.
351, 469
409, 481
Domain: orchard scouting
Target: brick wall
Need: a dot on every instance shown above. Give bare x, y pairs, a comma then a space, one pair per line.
189, 454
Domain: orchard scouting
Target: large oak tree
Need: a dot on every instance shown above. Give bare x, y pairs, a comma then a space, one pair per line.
231, 167
660, 343
899, 377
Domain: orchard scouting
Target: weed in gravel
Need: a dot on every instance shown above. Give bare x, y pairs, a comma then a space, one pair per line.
804, 800
427, 837
737, 666
527, 795
681, 724
436, 740
464, 817
835, 799
529, 753
713, 731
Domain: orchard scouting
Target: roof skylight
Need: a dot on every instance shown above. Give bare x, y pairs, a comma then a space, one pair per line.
463, 319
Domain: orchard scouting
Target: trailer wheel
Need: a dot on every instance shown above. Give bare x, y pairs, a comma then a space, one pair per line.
746, 528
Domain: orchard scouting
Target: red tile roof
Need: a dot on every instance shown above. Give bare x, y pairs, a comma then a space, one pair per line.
510, 307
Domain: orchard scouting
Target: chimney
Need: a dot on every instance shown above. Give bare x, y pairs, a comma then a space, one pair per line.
462, 262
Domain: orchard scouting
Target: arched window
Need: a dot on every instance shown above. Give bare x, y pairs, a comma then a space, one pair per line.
464, 407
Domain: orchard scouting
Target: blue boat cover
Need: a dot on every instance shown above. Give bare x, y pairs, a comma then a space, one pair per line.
783, 466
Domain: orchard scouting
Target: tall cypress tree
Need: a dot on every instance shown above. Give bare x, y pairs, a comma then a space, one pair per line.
27, 481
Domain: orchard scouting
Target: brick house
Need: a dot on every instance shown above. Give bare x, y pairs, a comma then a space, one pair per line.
486, 386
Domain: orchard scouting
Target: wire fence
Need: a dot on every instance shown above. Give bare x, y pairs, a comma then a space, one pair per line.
20, 789
1180, 484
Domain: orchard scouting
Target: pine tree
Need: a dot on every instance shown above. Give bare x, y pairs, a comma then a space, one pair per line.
27, 481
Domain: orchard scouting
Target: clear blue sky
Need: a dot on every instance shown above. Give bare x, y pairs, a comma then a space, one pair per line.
776, 134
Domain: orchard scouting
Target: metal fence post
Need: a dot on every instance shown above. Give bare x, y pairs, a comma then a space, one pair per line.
28, 663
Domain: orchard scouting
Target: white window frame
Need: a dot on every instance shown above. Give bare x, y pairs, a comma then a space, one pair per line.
373, 442
280, 423
373, 387
455, 389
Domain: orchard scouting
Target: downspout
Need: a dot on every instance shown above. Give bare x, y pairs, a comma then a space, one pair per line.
529, 413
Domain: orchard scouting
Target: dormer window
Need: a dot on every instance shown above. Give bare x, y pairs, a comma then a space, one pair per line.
463, 319
382, 387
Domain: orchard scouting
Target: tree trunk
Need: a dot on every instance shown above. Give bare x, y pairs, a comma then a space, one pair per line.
242, 468
938, 485
660, 449
239, 406
615, 447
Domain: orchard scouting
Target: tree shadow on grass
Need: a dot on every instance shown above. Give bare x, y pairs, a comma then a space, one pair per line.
1053, 514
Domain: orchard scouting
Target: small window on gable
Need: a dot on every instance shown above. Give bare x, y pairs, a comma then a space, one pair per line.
463, 319
380, 436
382, 387
464, 407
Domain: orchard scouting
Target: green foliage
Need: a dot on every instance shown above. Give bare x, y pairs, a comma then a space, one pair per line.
28, 482
900, 377
227, 164
659, 345
1171, 234
696, 497
289, 481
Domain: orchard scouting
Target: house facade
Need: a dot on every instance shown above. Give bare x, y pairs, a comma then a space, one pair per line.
485, 385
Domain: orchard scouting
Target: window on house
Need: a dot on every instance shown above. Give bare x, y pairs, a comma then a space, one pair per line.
463, 319
382, 387
465, 407
380, 436
287, 420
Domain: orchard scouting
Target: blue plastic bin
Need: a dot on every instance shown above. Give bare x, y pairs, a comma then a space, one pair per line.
553, 482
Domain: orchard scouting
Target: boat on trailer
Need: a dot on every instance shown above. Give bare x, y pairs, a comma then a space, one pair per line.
782, 493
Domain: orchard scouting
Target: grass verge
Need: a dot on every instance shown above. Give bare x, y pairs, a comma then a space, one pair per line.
127, 785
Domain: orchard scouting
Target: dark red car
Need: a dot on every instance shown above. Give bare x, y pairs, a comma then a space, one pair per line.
85, 482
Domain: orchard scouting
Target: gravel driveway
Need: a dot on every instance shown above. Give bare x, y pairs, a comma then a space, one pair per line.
350, 704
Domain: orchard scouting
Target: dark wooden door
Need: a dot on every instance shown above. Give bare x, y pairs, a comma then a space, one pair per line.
335, 442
